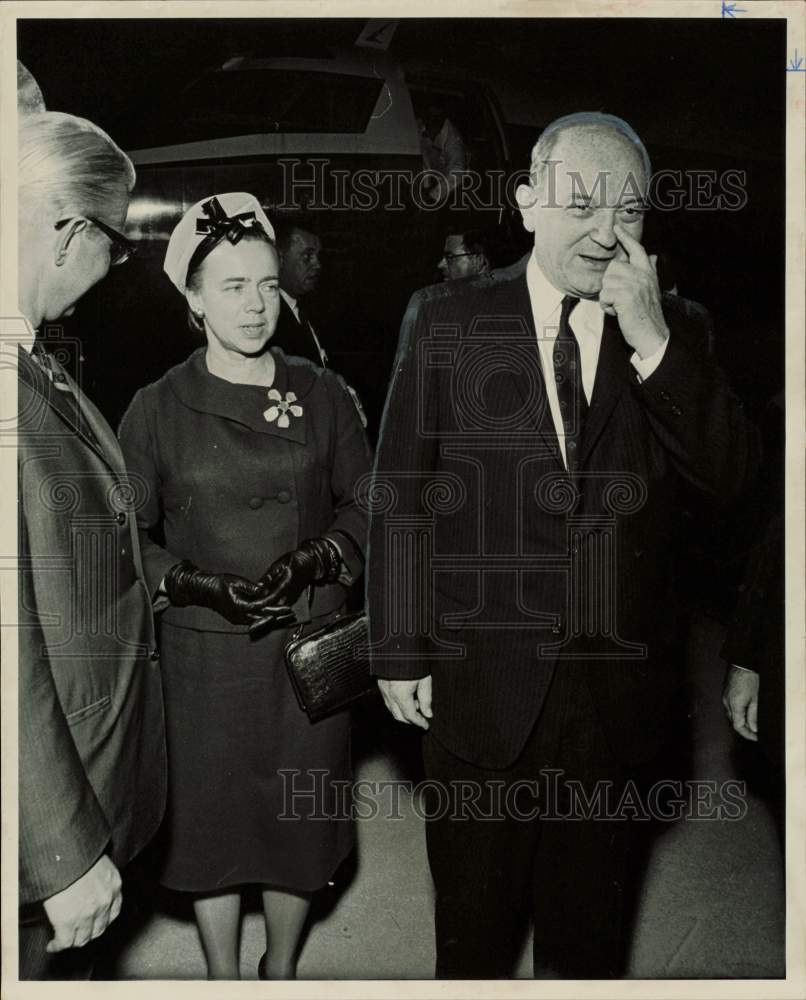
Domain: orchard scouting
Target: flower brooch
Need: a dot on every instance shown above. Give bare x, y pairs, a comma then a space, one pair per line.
281, 409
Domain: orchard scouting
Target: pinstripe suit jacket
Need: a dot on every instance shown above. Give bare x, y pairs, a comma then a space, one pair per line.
490, 567
91, 739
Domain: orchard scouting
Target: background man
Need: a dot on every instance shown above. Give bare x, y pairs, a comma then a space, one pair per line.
465, 255
300, 270
539, 454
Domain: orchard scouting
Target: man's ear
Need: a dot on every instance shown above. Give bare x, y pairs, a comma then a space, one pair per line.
527, 198
66, 237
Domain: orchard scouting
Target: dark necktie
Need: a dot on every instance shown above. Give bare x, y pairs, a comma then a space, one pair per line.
568, 378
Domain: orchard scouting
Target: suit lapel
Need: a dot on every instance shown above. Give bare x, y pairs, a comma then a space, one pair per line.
73, 408
612, 378
104, 435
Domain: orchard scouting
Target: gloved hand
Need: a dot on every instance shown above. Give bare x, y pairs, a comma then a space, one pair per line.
237, 599
317, 560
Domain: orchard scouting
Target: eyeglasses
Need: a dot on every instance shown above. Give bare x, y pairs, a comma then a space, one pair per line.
453, 256
122, 247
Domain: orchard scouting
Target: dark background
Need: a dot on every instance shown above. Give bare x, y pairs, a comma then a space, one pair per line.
703, 94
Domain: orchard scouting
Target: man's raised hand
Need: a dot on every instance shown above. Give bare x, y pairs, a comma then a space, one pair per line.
630, 291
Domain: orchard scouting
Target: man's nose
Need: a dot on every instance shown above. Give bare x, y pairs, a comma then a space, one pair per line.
603, 232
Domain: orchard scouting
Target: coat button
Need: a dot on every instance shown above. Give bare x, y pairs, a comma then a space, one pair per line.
283, 496
256, 503
665, 396
154, 655
120, 517
557, 629
676, 411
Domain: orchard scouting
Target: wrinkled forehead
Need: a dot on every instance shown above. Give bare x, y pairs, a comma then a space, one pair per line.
597, 163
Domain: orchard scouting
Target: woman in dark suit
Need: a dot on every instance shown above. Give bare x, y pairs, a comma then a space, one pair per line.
252, 462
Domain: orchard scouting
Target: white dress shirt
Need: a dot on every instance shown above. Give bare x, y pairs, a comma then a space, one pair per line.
587, 322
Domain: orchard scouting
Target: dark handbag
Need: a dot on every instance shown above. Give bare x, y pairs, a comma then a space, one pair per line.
329, 668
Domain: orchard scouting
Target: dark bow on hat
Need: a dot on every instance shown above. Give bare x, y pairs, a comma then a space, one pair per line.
218, 226
221, 225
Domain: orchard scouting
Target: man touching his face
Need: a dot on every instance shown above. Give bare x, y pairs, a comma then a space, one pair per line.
540, 434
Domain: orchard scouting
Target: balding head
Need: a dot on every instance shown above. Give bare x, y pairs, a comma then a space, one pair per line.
588, 176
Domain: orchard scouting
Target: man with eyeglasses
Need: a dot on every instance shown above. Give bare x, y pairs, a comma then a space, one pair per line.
465, 255
92, 761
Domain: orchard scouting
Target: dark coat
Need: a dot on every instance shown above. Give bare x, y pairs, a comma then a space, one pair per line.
253, 490
294, 338
91, 738
755, 639
514, 568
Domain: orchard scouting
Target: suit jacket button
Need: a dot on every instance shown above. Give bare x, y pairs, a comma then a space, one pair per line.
676, 411
283, 496
256, 503
120, 517
154, 655
665, 396
557, 629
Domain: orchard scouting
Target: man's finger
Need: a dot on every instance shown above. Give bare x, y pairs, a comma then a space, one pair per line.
635, 251
102, 920
743, 731
389, 701
63, 938
424, 697
752, 715
408, 709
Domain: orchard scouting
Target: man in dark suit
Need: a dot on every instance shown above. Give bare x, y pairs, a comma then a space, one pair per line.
300, 270
539, 437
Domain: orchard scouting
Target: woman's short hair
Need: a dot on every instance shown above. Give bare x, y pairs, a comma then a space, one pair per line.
71, 163
254, 234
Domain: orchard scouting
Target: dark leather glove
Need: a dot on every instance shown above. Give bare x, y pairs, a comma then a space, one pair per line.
317, 560
237, 599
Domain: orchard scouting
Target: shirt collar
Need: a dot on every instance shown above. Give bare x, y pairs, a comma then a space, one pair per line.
546, 299
291, 302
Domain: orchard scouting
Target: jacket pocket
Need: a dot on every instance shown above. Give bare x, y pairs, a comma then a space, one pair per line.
80, 714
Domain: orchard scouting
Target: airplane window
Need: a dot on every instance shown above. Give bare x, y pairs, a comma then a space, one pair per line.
240, 102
